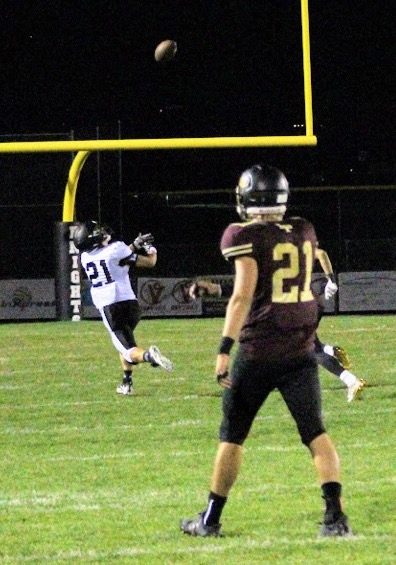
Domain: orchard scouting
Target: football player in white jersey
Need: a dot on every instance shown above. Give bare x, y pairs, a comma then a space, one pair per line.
106, 262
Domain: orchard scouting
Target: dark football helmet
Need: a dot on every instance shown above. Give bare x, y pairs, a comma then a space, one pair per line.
262, 189
88, 236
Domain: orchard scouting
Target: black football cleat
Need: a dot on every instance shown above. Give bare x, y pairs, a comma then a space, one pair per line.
196, 527
338, 527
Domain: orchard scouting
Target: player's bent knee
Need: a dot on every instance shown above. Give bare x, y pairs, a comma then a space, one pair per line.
308, 436
127, 356
236, 435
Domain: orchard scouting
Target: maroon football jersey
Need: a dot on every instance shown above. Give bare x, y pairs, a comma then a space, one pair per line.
282, 320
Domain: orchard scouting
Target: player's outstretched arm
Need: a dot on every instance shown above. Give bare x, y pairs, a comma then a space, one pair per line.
204, 288
325, 263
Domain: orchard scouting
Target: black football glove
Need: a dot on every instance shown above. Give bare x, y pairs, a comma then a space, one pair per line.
143, 242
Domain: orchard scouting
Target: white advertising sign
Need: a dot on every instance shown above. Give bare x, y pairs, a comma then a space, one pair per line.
89, 311
27, 299
167, 297
367, 291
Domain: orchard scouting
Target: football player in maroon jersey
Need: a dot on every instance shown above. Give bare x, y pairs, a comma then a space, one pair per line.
273, 314
333, 358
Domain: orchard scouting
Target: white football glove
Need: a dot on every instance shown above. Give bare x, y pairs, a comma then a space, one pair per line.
330, 290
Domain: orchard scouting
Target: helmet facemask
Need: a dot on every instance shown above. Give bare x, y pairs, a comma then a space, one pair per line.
101, 235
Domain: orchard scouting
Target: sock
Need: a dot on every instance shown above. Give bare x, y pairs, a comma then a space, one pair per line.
348, 378
127, 377
330, 363
215, 508
332, 497
147, 357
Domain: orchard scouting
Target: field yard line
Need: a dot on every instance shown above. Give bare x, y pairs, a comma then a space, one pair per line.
341, 330
181, 454
46, 503
54, 404
67, 385
196, 396
68, 429
222, 545
124, 427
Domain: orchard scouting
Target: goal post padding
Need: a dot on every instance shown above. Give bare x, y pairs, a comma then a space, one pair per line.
68, 275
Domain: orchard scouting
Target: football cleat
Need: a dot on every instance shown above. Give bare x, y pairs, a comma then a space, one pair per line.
159, 360
125, 388
339, 527
342, 357
196, 527
355, 391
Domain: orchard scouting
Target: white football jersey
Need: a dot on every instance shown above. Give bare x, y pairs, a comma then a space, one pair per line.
109, 281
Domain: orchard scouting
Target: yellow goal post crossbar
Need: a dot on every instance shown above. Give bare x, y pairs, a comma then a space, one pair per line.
85, 147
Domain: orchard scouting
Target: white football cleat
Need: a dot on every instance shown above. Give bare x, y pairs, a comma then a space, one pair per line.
125, 388
355, 391
159, 360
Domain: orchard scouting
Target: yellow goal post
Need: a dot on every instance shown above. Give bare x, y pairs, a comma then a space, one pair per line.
85, 147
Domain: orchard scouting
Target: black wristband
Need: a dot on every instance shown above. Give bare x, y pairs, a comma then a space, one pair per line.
331, 277
226, 344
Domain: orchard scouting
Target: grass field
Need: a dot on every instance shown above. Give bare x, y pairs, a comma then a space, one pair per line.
91, 477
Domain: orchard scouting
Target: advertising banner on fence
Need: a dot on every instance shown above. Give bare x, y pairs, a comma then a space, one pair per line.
27, 299
89, 311
215, 307
367, 291
167, 297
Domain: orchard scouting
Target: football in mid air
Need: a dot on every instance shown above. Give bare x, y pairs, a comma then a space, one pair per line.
165, 51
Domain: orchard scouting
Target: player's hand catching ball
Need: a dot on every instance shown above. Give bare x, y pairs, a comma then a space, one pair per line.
142, 241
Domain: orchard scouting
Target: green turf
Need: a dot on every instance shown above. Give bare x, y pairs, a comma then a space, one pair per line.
91, 477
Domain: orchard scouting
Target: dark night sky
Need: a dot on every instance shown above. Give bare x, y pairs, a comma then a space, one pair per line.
69, 64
